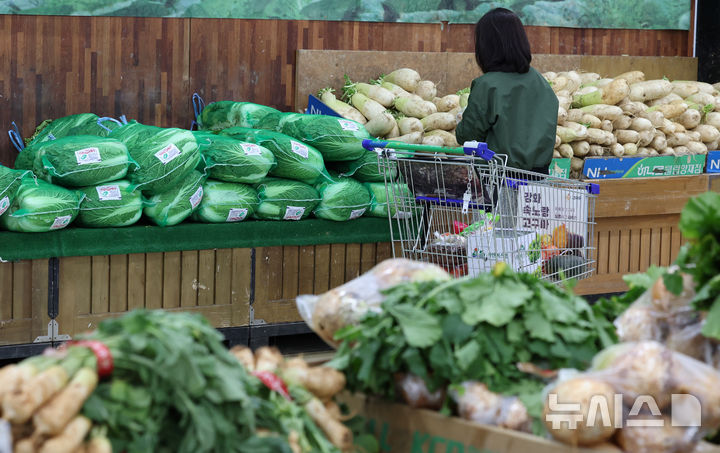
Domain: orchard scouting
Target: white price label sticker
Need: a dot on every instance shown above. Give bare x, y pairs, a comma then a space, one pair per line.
168, 153
237, 214
355, 213
349, 125
61, 222
107, 193
87, 156
4, 204
294, 213
251, 149
196, 197
299, 149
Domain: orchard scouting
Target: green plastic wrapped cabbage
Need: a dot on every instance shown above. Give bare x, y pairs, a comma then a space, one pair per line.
110, 205
79, 124
338, 139
224, 114
368, 168
177, 204
81, 160
284, 199
40, 207
9, 183
164, 156
401, 203
295, 160
342, 199
226, 202
231, 160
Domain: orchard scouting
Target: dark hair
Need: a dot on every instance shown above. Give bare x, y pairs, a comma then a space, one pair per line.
501, 44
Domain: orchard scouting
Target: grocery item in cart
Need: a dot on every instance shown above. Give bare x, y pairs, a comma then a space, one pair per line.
348, 303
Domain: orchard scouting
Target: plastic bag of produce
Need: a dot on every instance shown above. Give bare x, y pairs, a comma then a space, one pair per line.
348, 303
231, 160
9, 183
226, 202
40, 206
164, 157
342, 199
672, 400
338, 139
368, 168
401, 203
284, 199
80, 124
478, 404
110, 205
81, 160
295, 160
224, 114
177, 204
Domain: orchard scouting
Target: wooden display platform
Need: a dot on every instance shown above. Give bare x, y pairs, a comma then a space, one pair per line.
452, 71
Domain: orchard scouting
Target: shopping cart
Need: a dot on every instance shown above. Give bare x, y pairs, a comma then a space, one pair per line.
465, 210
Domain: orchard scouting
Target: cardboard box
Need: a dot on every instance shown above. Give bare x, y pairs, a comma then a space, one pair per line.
486, 248
643, 167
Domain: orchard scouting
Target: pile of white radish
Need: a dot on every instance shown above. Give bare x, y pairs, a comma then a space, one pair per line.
401, 106
629, 116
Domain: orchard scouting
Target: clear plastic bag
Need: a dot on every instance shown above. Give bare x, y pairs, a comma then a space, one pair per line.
348, 303
478, 404
656, 400
415, 393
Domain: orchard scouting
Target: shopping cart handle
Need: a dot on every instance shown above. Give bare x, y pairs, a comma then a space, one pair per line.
593, 189
478, 149
370, 144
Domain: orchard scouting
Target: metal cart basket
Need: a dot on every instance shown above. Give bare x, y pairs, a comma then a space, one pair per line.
465, 210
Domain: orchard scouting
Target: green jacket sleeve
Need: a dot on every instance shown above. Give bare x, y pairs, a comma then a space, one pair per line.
477, 118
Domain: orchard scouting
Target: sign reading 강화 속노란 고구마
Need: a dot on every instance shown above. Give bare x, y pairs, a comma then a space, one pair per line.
625, 14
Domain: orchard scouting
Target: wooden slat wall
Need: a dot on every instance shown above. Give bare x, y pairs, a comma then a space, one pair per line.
23, 301
147, 68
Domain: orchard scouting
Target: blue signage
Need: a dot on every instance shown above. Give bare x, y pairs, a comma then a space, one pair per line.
317, 107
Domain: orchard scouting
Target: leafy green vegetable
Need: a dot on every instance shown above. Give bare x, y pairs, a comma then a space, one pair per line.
79, 124
9, 183
342, 199
283, 199
367, 168
338, 139
225, 114
401, 202
110, 205
231, 160
226, 202
177, 204
39, 207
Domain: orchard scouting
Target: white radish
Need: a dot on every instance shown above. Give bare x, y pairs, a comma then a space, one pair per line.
589, 77
642, 151
559, 83
397, 90
604, 111
595, 150
575, 115
409, 124
702, 99
713, 146
690, 118
426, 90
659, 142
640, 124
672, 110
549, 76
405, 78
712, 119
670, 98
681, 150
414, 137
633, 108
369, 108
607, 125
376, 93
580, 148
394, 133
556, 154
566, 150
562, 115
694, 135
590, 121
342, 108
667, 151
600, 137
574, 80
571, 132
684, 89
656, 118
622, 123
630, 149
645, 137
577, 164
439, 120
449, 139
624, 136
697, 147
649, 90
447, 103
678, 139
380, 125
653, 152
632, 76
557, 141
415, 108
617, 150
433, 140
707, 133
667, 127
678, 127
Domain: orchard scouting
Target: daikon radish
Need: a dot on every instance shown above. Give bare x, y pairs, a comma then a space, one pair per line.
630, 149
397, 90
342, 108
405, 78
712, 119
577, 164
693, 135
559, 83
678, 127
659, 142
611, 94
668, 127
595, 150
557, 141
632, 76
670, 98
645, 137
713, 146
562, 115
71, 437
649, 90
599, 136
653, 152
670, 111
369, 108
707, 133
622, 123
589, 77
433, 140
414, 107
571, 132
617, 150
394, 132
426, 90
576, 115
681, 150
607, 125
667, 151
624, 136
640, 124
565, 150
697, 147
642, 151
580, 148
574, 80
53, 416
449, 139
414, 137
633, 108
447, 103
408, 124
376, 93
556, 154
678, 139
602, 83
656, 118
690, 118
380, 125
604, 111
464, 96
702, 99
589, 120
549, 76
684, 89
705, 87
439, 120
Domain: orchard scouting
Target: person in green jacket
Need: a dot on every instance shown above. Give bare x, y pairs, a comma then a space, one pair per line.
511, 106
